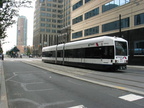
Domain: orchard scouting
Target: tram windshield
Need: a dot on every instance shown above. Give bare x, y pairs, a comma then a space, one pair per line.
121, 48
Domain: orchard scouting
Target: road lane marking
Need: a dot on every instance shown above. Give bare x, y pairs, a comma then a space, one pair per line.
131, 97
56, 103
25, 88
14, 74
119, 87
79, 106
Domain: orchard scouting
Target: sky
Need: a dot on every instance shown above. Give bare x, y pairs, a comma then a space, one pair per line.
10, 41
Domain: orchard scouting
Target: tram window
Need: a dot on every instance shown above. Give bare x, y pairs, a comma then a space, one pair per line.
46, 54
66, 53
121, 48
69, 53
74, 53
93, 52
43, 54
53, 53
59, 53
108, 52
50, 54
77, 53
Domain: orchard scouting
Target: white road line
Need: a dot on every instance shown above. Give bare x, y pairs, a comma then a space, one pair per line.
43, 105
11, 76
25, 88
56, 103
131, 97
79, 106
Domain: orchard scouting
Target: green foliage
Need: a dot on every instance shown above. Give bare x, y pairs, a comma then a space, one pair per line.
1, 50
8, 11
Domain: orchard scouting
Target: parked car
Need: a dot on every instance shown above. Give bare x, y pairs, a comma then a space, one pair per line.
30, 56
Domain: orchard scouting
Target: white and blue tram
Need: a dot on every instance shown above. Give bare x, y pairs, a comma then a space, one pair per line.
100, 53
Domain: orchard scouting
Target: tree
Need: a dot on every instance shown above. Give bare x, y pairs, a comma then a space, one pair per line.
28, 50
8, 10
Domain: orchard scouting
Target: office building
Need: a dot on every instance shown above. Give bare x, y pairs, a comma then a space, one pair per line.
48, 21
121, 18
22, 34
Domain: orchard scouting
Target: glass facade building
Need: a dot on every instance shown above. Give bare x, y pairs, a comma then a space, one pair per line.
22, 34
121, 18
51, 23
48, 21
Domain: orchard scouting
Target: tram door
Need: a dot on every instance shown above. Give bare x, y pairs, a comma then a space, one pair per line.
63, 57
82, 55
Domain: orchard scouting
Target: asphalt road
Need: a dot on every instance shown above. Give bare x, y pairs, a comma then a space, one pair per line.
31, 87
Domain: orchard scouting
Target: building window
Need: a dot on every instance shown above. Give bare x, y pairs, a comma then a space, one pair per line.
54, 5
48, 14
60, 16
54, 10
49, 9
42, 1
42, 24
139, 47
91, 31
59, 21
60, 6
42, 30
42, 19
54, 31
77, 35
114, 4
59, 26
48, 20
49, 5
139, 19
54, 15
115, 25
78, 19
92, 13
54, 21
48, 30
42, 9
53, 25
48, 25
60, 1
78, 4
43, 14
87, 1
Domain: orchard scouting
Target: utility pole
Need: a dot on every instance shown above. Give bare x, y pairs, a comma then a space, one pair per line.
120, 25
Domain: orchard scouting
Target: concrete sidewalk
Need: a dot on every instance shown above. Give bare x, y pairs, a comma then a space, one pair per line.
3, 94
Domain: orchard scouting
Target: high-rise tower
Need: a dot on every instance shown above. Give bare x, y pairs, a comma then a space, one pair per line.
22, 34
47, 23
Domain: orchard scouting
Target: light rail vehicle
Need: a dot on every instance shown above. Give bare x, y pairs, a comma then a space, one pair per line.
106, 53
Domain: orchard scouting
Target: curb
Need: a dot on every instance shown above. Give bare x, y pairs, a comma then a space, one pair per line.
3, 94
